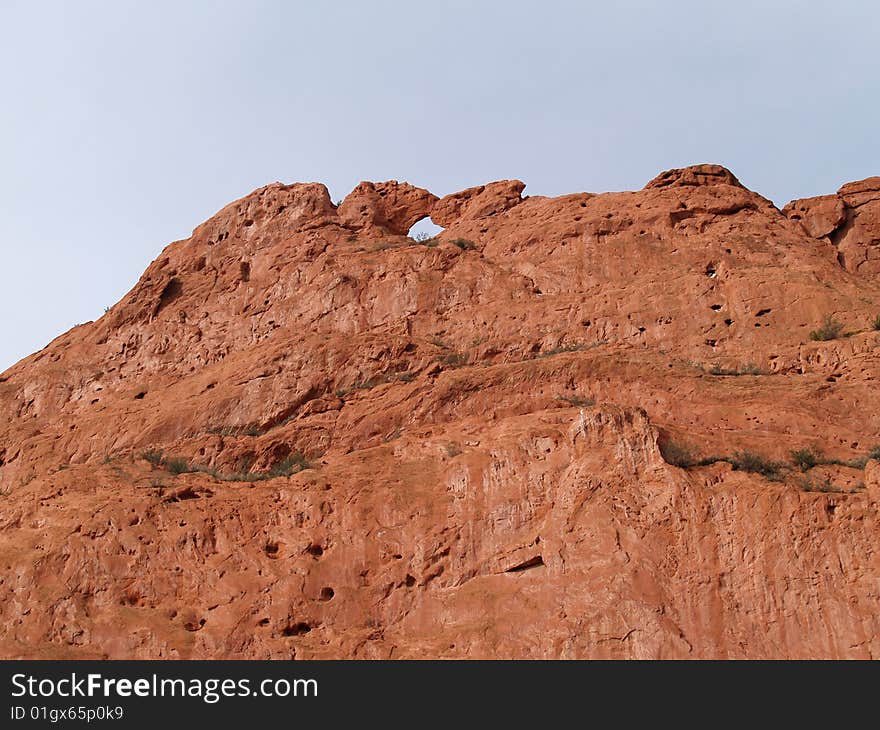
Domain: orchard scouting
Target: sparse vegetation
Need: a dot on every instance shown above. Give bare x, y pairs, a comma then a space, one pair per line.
577, 400
385, 245
875, 323
154, 456
831, 329
747, 369
751, 462
683, 456
452, 450
455, 359
574, 347
811, 485
368, 384
178, 465
289, 465
805, 459
862, 461
677, 454
826, 485
373, 382
464, 244
425, 239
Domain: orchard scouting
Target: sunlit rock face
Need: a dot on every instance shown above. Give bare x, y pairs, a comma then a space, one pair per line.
563, 428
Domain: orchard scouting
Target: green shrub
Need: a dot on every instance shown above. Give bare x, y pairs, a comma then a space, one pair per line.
804, 459
831, 329
292, 464
452, 450
826, 485
861, 461
178, 466
577, 400
677, 454
289, 465
464, 244
154, 456
455, 359
367, 384
747, 369
875, 323
751, 462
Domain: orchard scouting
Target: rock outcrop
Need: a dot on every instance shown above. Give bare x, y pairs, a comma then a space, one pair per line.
849, 220
562, 428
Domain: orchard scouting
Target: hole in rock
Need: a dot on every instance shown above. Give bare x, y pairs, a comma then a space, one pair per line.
327, 593
315, 550
424, 229
170, 292
141, 395
715, 307
535, 562
297, 629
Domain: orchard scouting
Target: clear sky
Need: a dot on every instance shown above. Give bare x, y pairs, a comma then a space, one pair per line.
125, 124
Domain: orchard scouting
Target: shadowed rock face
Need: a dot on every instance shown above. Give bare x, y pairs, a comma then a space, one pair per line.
486, 422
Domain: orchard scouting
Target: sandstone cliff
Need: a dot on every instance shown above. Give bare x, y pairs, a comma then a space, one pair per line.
562, 428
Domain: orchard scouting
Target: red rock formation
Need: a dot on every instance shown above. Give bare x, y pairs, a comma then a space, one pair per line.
850, 220
390, 207
510, 433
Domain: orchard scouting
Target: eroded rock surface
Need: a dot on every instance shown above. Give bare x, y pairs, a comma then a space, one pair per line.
849, 220
303, 434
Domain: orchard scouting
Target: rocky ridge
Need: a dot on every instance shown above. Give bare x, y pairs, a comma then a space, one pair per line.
563, 428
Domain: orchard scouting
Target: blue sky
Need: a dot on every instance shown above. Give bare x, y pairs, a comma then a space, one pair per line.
125, 124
